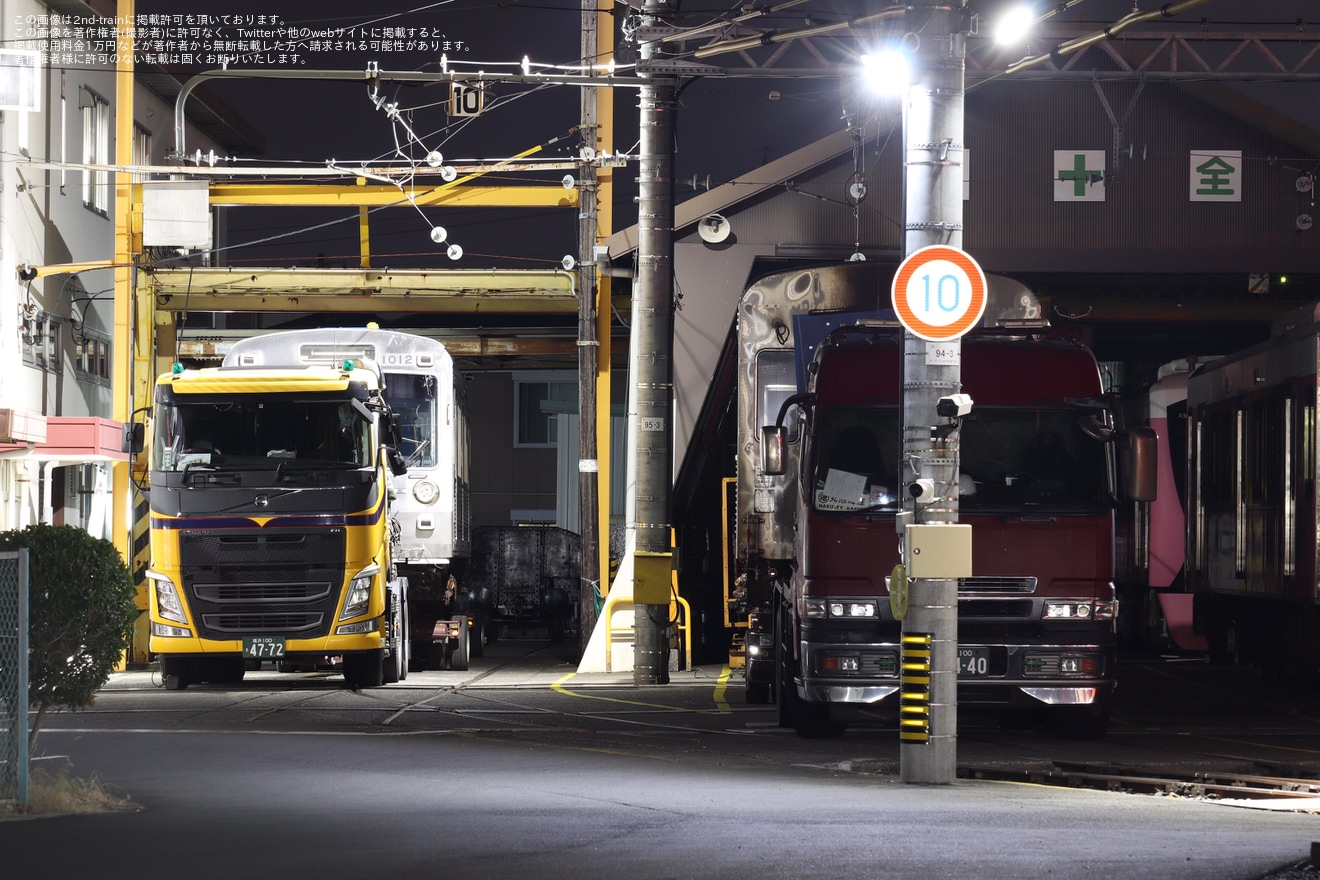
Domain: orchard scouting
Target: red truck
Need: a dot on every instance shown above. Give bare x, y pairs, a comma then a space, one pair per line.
1044, 461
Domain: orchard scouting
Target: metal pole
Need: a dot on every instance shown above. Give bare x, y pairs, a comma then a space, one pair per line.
588, 348
933, 138
652, 338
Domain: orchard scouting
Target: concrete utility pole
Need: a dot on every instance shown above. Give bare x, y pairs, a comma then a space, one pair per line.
652, 341
588, 345
933, 139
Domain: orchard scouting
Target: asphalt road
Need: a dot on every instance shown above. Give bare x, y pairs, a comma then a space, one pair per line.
519, 768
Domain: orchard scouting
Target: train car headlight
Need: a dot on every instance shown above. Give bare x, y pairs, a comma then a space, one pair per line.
425, 491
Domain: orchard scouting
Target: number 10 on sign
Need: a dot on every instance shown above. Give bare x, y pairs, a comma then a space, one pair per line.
939, 293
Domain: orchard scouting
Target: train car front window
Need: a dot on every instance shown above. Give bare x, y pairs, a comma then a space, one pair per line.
413, 397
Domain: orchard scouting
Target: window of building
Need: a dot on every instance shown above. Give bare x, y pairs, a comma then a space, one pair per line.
96, 151
141, 151
537, 397
40, 342
92, 358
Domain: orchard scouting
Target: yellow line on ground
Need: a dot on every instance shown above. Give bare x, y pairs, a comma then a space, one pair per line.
720, 685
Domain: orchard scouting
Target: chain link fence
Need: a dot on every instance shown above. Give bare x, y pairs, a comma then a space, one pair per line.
14, 677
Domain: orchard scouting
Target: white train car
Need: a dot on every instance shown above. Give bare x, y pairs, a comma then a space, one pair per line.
431, 510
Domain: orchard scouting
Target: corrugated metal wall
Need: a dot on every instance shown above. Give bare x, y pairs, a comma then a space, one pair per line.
1012, 223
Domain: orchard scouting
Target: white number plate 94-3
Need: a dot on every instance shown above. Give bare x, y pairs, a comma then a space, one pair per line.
264, 647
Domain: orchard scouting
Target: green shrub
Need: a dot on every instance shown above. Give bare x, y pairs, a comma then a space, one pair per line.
80, 614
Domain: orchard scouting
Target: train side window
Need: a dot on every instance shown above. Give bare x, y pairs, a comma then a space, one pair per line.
776, 381
1219, 458
1264, 453
1305, 466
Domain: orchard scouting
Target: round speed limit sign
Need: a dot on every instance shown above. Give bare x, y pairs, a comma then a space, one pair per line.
939, 293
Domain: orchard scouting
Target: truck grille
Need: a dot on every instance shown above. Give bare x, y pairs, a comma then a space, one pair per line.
994, 608
261, 581
997, 585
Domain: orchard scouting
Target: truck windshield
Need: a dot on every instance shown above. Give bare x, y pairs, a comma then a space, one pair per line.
1012, 459
261, 432
855, 456
413, 398
1016, 458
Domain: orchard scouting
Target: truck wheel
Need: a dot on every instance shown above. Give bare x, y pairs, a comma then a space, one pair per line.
786, 698
477, 637
458, 654
366, 670
405, 643
174, 672
394, 667
810, 720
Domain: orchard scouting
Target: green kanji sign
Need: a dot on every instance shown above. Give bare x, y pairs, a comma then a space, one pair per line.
1216, 176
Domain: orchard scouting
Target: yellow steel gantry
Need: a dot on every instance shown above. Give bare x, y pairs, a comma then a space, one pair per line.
147, 299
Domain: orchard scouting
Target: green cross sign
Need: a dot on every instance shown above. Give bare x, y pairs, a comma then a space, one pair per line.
1079, 175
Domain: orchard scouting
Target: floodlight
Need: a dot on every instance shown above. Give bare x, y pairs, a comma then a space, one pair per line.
438, 234
885, 72
1014, 25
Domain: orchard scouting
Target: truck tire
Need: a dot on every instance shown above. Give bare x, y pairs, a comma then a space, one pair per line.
365, 670
405, 638
459, 650
477, 636
786, 698
394, 666
174, 673
810, 720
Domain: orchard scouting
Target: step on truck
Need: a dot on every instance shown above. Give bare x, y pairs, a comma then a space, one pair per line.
821, 478
309, 507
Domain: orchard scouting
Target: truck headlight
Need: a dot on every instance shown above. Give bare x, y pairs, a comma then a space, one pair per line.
1068, 610
358, 599
852, 609
168, 602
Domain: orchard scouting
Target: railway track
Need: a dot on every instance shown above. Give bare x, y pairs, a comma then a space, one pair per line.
1217, 785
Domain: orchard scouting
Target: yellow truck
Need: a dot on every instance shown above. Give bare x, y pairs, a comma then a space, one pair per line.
271, 529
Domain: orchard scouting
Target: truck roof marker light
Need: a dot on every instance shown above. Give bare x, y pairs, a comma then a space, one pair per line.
176, 368
347, 366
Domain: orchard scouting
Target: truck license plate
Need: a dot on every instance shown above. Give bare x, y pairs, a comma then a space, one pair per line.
973, 662
264, 647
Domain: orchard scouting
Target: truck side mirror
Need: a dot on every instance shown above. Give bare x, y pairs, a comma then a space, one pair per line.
398, 467
1137, 461
131, 441
772, 449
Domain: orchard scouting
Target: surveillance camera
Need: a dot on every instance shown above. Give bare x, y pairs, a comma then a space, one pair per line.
954, 406
922, 490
